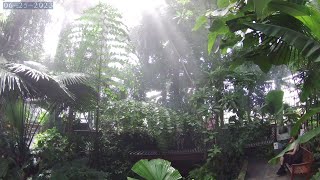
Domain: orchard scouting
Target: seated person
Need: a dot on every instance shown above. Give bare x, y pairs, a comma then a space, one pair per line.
292, 157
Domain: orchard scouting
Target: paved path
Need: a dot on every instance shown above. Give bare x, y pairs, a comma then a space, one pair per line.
259, 169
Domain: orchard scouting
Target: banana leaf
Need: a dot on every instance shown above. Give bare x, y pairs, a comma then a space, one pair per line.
309, 114
308, 47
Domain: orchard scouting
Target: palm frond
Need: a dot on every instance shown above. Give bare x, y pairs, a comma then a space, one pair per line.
24, 81
307, 46
36, 65
72, 78
10, 82
79, 85
306, 14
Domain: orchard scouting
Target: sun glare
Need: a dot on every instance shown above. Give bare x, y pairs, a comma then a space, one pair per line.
132, 10
138, 5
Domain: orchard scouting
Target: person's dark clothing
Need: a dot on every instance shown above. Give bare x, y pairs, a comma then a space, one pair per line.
293, 159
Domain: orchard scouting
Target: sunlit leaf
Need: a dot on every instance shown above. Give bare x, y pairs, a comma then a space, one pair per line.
211, 40
222, 3
274, 102
199, 22
307, 15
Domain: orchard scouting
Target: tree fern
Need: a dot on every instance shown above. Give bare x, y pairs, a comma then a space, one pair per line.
97, 35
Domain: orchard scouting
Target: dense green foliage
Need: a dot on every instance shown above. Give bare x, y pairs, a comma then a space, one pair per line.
171, 129
72, 170
51, 147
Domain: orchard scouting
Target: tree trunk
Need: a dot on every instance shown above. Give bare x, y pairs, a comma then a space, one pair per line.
71, 118
249, 104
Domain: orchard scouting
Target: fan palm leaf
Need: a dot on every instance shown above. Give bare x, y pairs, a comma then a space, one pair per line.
21, 80
29, 81
156, 169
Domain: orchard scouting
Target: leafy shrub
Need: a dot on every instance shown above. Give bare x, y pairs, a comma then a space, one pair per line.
133, 125
52, 147
226, 156
72, 170
75, 173
203, 173
316, 176
166, 126
114, 149
9, 169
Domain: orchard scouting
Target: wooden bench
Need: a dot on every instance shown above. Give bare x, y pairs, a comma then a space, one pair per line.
304, 167
171, 155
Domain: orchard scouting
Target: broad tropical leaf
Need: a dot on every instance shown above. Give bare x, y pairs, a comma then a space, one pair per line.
212, 36
311, 82
309, 114
156, 169
306, 45
307, 15
199, 23
274, 102
260, 7
223, 3
218, 27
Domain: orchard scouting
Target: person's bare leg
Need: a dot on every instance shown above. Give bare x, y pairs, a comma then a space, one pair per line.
281, 160
281, 170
